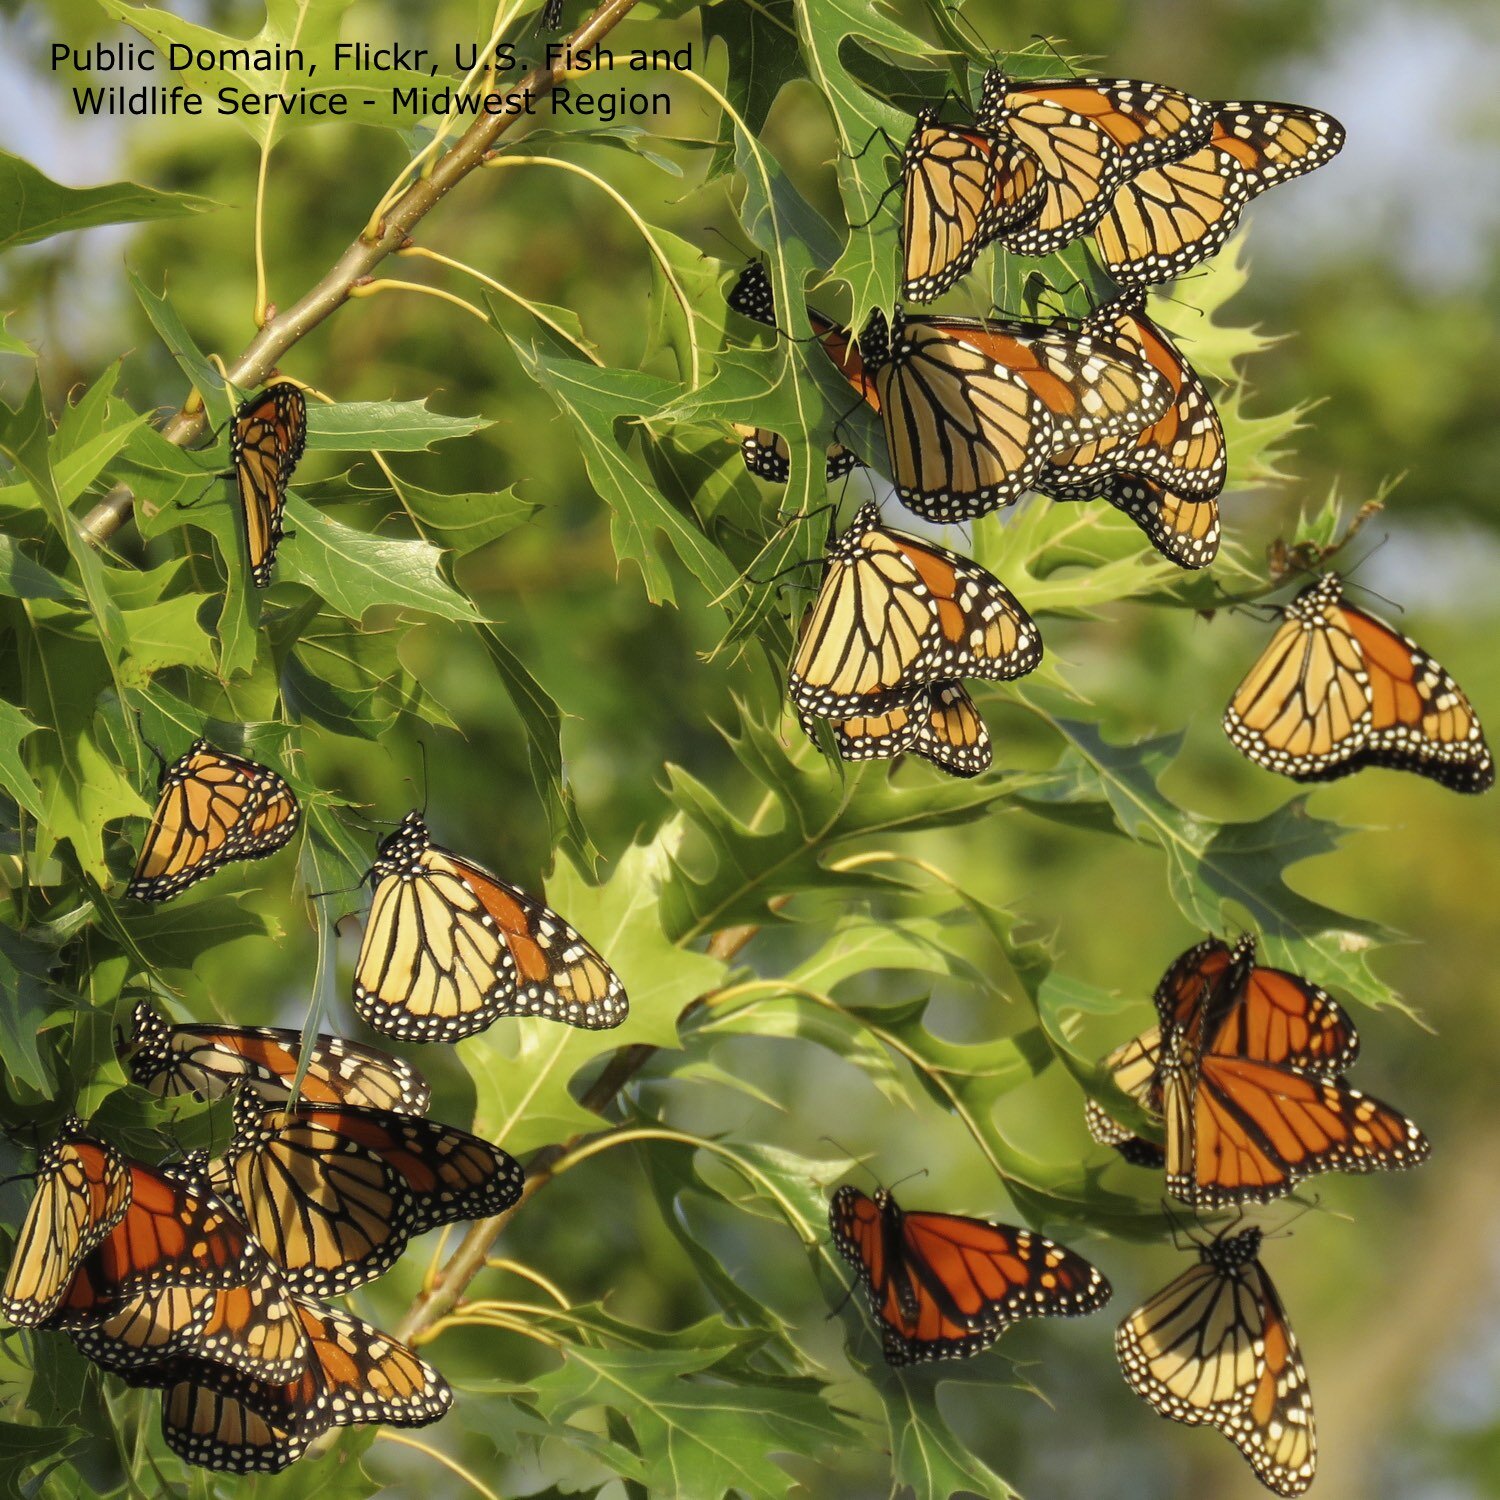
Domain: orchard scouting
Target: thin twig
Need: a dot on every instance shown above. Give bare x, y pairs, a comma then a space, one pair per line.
288, 328
473, 1252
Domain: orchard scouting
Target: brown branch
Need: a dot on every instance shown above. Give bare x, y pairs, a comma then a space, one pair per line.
284, 330
468, 1260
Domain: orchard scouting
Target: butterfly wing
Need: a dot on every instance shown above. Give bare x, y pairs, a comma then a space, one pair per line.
224, 1420
893, 612
83, 1191
1420, 719
1181, 448
1214, 1348
1241, 1131
961, 187
1304, 709
1282, 1018
1164, 221
335, 1194
210, 1062
1088, 135
951, 733
212, 808
965, 434
1133, 1067
270, 432
881, 735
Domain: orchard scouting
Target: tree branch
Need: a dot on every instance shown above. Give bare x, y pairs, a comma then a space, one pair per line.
287, 328
468, 1260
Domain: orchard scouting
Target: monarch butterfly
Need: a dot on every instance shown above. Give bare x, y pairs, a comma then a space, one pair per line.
449, 948
938, 721
211, 809
1167, 219
270, 432
334, 1194
1214, 1348
1269, 1015
894, 611
222, 1419
1182, 449
1338, 690
962, 186
212, 1061
973, 410
941, 1286
765, 453
83, 1189
1088, 136
1243, 1128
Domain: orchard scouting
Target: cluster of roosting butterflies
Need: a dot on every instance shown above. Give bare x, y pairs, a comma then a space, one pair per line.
205, 1277
1243, 1075
977, 412
1242, 1078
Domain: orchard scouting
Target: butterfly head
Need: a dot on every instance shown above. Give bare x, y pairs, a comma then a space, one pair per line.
992, 96
1228, 1252
150, 1040
878, 338
751, 296
400, 853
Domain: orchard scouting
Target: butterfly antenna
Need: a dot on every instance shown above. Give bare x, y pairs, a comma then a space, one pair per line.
920, 1172
1048, 43
960, 19
140, 724
1284, 1229
426, 788
748, 255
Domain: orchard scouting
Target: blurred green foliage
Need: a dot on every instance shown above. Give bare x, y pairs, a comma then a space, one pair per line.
531, 621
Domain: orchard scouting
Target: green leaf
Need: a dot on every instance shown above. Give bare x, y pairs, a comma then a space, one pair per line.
21, 578
205, 379
355, 572
734, 868
760, 45
929, 1457
1215, 869
33, 207
522, 1069
391, 426
168, 634
598, 403
349, 680
699, 1433
542, 721
26, 1003
464, 522
867, 163
10, 343
14, 777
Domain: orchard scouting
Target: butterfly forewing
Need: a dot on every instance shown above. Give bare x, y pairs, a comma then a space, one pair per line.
961, 187
83, 1189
